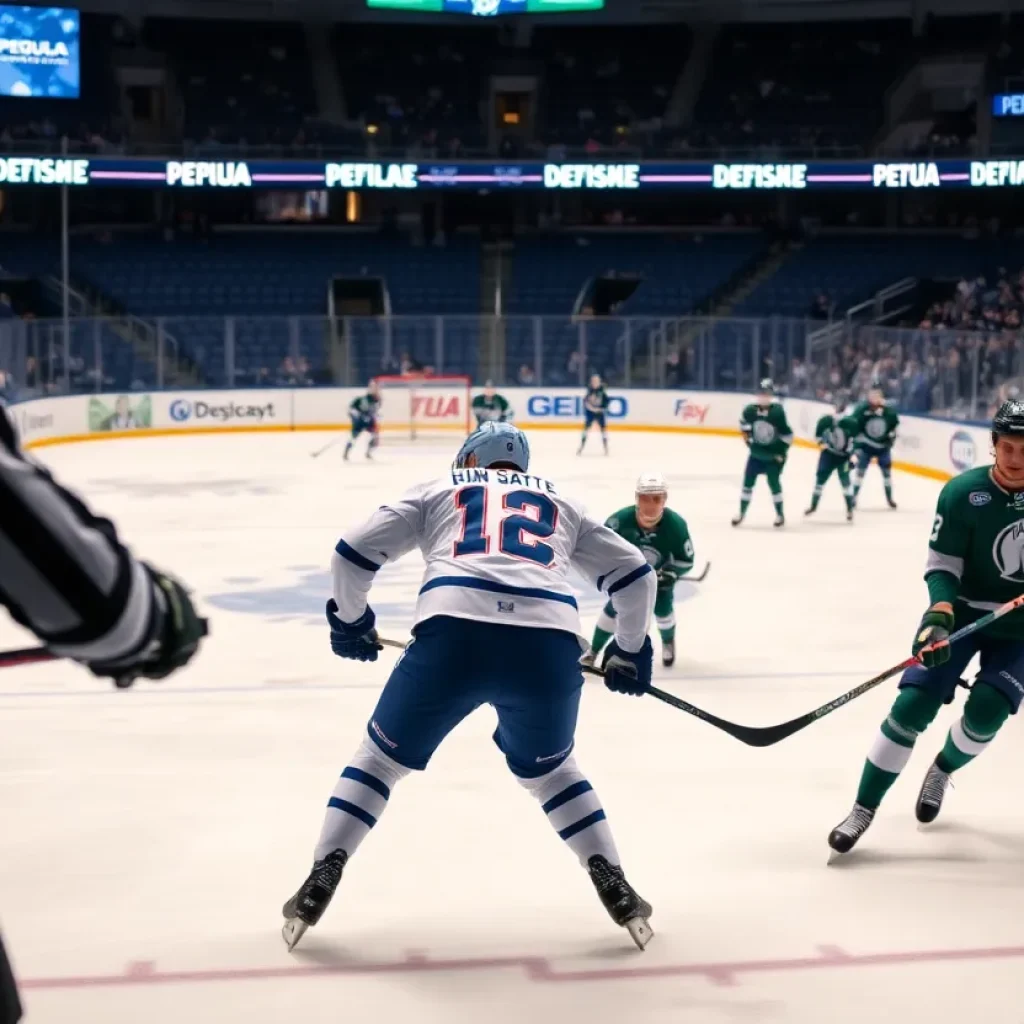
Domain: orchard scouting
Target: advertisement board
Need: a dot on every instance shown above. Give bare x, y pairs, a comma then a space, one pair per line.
646, 176
935, 448
39, 51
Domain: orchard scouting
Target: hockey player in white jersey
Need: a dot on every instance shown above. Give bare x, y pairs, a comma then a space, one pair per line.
496, 623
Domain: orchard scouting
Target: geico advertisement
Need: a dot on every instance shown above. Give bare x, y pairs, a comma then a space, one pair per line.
568, 407
219, 412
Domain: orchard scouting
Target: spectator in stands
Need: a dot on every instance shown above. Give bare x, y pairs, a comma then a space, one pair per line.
526, 377
821, 307
407, 366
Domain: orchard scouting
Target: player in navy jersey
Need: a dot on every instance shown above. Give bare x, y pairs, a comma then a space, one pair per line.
363, 411
497, 624
595, 412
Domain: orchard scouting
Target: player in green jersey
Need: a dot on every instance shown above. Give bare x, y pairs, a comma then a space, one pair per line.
975, 563
834, 433
363, 412
767, 435
490, 406
664, 538
877, 425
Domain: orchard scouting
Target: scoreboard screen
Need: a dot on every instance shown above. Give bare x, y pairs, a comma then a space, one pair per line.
487, 8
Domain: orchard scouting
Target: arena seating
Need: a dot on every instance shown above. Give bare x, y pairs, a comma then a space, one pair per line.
601, 85
679, 273
254, 85
811, 85
850, 270
258, 278
418, 86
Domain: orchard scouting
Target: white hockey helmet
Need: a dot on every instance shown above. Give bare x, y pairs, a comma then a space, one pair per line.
651, 483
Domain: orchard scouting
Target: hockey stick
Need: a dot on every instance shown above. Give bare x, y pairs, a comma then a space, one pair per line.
696, 579
326, 447
767, 736
39, 655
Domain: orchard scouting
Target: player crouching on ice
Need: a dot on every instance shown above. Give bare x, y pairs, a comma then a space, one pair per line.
480, 639
363, 411
767, 436
975, 554
664, 540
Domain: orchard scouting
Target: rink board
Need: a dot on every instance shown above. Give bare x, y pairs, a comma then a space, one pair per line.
935, 448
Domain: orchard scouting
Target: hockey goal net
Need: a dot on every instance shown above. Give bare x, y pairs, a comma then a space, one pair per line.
422, 407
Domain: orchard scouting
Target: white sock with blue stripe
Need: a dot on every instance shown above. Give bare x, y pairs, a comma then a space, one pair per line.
575, 812
358, 800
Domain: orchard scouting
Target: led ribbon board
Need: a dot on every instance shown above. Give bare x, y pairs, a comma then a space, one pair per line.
488, 8
363, 175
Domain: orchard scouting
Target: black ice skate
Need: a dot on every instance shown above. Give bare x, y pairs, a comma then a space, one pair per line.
843, 838
780, 520
348, 451
738, 520
849, 515
589, 659
933, 789
307, 906
626, 908
810, 511
668, 653
892, 504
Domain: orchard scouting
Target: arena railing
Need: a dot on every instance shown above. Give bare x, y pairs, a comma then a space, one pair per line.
960, 374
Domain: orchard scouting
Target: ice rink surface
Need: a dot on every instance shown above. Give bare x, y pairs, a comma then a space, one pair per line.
149, 837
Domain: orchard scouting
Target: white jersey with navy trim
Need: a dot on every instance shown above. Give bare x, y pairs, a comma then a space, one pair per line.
498, 545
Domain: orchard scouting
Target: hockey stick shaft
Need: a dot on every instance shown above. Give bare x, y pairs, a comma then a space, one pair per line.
326, 447
772, 734
26, 656
768, 736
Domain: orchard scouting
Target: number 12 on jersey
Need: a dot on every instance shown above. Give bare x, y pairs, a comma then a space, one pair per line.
520, 535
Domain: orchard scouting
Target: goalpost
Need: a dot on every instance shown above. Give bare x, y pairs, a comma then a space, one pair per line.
421, 407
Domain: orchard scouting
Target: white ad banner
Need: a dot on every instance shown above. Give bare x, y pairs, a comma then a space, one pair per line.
937, 448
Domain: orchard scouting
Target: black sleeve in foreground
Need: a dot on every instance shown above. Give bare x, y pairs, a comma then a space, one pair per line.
63, 572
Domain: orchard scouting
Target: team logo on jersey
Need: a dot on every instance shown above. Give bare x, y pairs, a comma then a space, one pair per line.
506, 606
1008, 552
651, 554
764, 432
876, 428
979, 498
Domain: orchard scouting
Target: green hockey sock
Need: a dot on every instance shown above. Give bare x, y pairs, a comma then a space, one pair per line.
777, 502
667, 635
912, 713
888, 757
600, 639
887, 483
984, 715
744, 503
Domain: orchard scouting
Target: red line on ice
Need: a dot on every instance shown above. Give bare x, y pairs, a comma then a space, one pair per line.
536, 968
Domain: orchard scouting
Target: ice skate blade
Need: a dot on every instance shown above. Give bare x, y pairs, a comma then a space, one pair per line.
293, 930
640, 931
